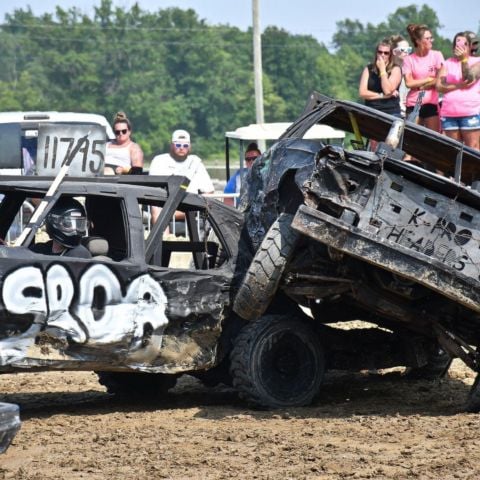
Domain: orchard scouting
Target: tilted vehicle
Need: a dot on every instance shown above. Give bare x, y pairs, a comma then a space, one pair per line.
133, 312
355, 234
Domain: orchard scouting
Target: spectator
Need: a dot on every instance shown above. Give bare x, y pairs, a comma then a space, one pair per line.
123, 155
473, 40
421, 70
400, 49
180, 162
380, 80
66, 225
460, 109
234, 185
379, 83
471, 67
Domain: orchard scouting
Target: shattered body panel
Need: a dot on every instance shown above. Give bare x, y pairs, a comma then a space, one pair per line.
128, 309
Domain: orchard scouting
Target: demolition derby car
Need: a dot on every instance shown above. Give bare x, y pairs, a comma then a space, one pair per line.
147, 306
389, 236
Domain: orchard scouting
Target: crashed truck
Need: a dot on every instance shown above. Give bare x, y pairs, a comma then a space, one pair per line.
391, 237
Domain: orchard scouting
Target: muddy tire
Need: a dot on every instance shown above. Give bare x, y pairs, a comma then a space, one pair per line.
437, 367
277, 362
473, 401
263, 276
137, 385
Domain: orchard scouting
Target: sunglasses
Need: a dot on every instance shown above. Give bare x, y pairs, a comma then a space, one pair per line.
121, 132
429, 39
383, 52
404, 50
182, 145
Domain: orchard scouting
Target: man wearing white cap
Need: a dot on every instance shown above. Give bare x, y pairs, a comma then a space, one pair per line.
180, 162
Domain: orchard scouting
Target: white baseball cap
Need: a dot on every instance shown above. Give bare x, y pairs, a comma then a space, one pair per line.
180, 136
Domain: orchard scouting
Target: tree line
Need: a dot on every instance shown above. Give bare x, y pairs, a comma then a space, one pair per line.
168, 69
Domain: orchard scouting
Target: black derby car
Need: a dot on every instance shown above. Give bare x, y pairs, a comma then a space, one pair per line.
148, 306
389, 236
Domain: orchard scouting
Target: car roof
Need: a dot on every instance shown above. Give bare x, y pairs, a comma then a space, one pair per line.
272, 131
437, 150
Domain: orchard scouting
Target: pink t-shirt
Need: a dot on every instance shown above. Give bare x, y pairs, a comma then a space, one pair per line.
423, 67
463, 102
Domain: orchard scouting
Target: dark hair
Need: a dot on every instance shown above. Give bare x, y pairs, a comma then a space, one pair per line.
121, 117
416, 32
252, 147
461, 34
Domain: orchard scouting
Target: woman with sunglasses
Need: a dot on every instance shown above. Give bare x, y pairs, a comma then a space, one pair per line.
421, 70
123, 155
460, 110
400, 49
380, 80
379, 83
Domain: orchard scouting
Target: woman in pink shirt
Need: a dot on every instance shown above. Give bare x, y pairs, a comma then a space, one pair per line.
421, 70
460, 110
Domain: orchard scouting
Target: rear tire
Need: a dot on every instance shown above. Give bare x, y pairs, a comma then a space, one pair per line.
277, 362
265, 272
437, 367
473, 402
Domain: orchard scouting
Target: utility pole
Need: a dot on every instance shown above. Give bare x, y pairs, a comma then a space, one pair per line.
257, 61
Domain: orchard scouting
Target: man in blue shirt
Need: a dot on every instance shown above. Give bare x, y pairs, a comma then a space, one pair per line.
234, 185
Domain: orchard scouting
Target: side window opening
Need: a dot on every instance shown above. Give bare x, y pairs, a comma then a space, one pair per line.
108, 221
186, 243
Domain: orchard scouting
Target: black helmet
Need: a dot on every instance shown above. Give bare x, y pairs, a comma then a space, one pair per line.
67, 222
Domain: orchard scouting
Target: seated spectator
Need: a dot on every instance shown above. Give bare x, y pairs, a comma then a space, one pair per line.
123, 155
234, 185
179, 161
66, 225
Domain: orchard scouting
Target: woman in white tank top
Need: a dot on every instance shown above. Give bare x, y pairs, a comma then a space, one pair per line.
123, 155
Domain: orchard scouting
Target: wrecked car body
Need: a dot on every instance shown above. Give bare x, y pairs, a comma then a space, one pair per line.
132, 308
356, 234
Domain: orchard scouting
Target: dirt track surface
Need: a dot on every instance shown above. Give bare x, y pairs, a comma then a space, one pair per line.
362, 426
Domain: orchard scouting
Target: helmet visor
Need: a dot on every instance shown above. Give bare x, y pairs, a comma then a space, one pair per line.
70, 224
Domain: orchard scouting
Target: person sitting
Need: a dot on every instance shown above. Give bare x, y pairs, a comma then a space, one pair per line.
234, 185
123, 155
66, 224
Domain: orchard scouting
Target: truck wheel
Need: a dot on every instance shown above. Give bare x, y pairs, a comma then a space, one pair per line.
473, 401
277, 361
136, 384
263, 276
438, 364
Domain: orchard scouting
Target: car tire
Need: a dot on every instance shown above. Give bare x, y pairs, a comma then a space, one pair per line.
263, 276
277, 362
437, 367
136, 384
473, 401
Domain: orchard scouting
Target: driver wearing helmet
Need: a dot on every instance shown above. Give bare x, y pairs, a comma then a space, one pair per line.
66, 224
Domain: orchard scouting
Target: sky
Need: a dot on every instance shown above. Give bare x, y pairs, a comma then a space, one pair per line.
311, 17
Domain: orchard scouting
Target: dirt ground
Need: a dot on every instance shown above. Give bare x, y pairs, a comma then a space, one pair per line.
362, 426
